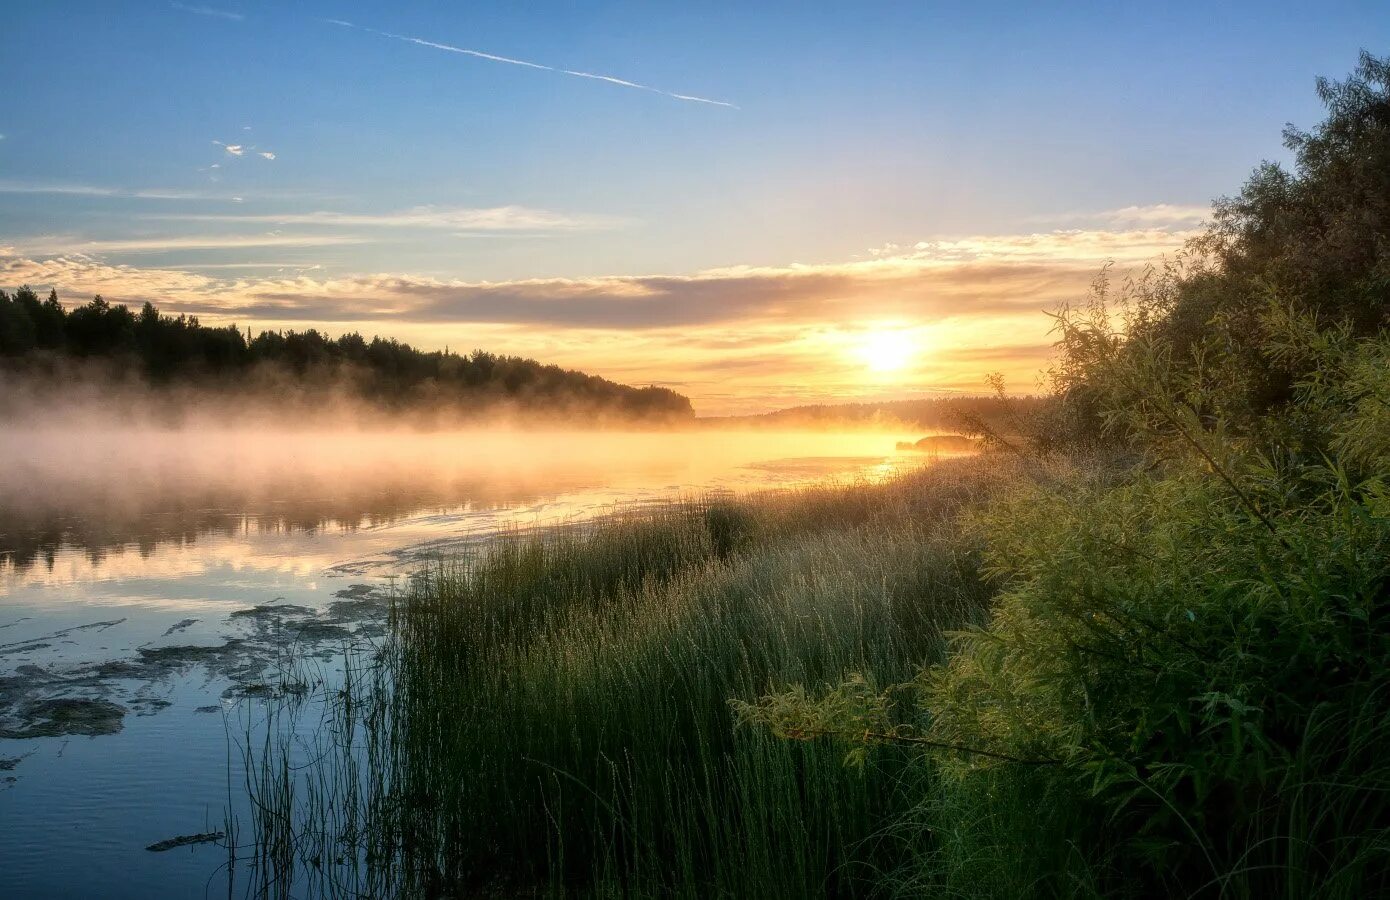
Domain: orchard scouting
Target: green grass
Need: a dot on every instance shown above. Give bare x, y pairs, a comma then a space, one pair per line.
553, 714
566, 695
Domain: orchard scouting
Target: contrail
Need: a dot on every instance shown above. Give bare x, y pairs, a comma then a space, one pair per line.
492, 57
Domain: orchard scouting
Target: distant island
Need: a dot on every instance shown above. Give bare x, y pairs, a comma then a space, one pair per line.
941, 443
966, 415
100, 347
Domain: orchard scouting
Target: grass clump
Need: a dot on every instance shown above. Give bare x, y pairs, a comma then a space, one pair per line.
567, 695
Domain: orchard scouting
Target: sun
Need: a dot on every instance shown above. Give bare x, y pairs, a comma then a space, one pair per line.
887, 350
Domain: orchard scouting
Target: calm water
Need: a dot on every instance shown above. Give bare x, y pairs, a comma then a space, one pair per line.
156, 586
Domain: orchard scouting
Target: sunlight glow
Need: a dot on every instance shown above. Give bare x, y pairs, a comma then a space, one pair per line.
887, 349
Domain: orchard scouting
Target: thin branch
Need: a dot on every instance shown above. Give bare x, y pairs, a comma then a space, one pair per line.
803, 734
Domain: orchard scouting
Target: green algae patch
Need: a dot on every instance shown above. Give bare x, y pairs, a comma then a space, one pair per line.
67, 715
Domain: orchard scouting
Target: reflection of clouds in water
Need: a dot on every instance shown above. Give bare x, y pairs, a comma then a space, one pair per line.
228, 557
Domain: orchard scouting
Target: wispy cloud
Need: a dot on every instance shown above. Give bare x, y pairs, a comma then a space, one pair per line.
90, 190
209, 11
280, 266
58, 245
512, 61
1078, 244
1155, 215
464, 219
243, 149
81, 190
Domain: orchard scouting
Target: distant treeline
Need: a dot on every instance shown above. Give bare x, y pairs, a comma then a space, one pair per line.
962, 414
42, 337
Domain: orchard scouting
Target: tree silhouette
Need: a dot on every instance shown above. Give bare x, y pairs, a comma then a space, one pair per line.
167, 350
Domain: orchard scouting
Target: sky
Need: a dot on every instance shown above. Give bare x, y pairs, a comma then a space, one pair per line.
758, 205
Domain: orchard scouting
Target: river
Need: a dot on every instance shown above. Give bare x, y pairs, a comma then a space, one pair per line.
154, 584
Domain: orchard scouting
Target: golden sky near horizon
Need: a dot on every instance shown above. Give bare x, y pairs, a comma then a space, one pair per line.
893, 323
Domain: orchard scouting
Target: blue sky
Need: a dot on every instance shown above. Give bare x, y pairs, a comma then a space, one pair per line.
854, 131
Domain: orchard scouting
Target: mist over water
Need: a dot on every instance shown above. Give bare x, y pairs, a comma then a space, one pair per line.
167, 571
104, 489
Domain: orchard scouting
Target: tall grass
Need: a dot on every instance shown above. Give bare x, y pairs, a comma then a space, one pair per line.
553, 716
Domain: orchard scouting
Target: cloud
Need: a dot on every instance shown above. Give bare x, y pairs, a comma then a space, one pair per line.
934, 280
90, 190
85, 276
209, 11
243, 149
1157, 215
462, 219
47, 245
82, 190
511, 61
1070, 244
1001, 353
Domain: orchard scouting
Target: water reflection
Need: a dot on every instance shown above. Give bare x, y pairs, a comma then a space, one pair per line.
98, 521
169, 573
114, 504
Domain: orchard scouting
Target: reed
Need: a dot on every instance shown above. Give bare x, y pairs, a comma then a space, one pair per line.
552, 713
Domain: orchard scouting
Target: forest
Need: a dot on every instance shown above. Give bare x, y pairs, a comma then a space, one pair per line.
44, 339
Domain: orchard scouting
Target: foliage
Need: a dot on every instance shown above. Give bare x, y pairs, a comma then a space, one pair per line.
1315, 239
1184, 686
1208, 661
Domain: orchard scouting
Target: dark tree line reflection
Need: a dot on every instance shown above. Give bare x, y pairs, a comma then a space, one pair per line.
101, 521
